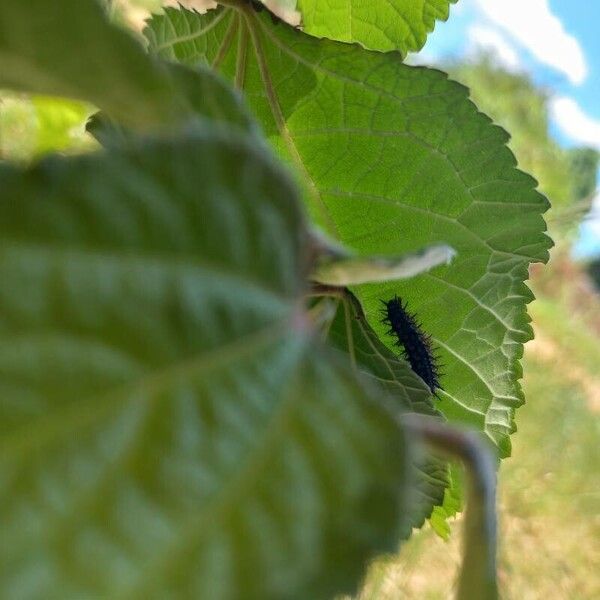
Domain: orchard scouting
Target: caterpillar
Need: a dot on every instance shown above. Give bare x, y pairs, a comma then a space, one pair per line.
415, 343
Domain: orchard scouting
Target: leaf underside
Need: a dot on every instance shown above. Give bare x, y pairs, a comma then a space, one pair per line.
395, 158
74, 51
164, 430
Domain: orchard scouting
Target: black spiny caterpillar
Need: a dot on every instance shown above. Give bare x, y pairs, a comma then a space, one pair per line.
415, 344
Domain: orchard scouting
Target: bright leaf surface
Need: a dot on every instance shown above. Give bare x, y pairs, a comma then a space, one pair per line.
350, 332
395, 158
378, 24
168, 425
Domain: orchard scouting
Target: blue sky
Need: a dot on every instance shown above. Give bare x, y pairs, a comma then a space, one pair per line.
558, 43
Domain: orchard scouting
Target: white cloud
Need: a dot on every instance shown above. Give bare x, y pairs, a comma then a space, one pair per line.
533, 24
574, 123
492, 41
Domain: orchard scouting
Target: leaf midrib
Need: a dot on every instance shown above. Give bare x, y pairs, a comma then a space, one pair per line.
252, 23
132, 256
88, 411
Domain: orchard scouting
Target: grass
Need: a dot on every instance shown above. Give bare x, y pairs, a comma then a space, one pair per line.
549, 491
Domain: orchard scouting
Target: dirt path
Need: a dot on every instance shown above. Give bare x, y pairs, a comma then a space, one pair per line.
546, 349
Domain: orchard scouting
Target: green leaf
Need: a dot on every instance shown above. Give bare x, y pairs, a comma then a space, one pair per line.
382, 25
211, 98
169, 426
31, 126
68, 48
345, 268
395, 158
451, 505
406, 391
478, 576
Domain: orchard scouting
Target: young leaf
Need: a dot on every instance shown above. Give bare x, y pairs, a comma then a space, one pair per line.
169, 427
395, 158
68, 48
378, 24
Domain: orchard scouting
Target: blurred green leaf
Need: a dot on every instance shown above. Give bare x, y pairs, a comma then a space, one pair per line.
69, 48
18, 127
395, 158
169, 426
61, 124
583, 167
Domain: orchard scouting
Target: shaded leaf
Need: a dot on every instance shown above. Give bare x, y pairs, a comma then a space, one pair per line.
406, 391
349, 269
451, 505
169, 427
209, 98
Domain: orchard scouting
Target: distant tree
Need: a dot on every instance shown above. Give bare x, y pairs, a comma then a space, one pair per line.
584, 171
